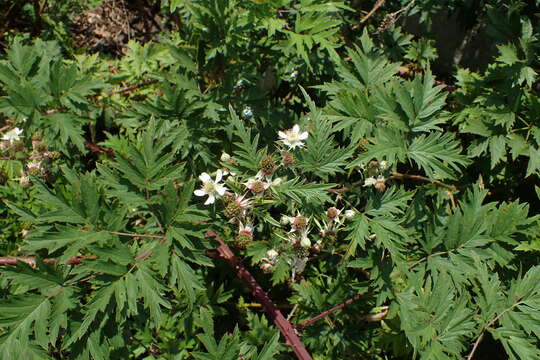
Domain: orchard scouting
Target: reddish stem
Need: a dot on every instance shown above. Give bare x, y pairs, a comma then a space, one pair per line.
133, 87
257, 291
329, 311
30, 260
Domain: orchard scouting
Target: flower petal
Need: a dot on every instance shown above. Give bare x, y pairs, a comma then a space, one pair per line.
296, 129
219, 175
210, 200
303, 136
204, 177
282, 135
199, 192
221, 189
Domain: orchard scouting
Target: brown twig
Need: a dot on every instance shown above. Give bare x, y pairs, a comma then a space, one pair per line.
490, 324
98, 149
137, 235
375, 317
11, 158
329, 311
30, 260
399, 176
377, 5
257, 291
133, 87
427, 257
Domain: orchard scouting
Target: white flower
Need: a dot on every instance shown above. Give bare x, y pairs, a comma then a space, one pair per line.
12, 135
349, 214
211, 187
293, 138
239, 83
294, 74
370, 181
24, 181
383, 165
247, 112
272, 255
34, 165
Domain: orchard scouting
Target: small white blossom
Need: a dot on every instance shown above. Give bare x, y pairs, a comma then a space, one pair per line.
24, 181
294, 74
370, 181
247, 112
239, 83
272, 255
383, 165
293, 138
211, 187
349, 214
12, 135
34, 165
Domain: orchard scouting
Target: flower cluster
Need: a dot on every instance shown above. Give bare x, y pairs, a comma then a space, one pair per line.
237, 208
12, 135
11, 140
269, 261
378, 169
36, 163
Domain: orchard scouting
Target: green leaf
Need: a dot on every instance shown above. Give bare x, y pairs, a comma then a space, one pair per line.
152, 292
438, 155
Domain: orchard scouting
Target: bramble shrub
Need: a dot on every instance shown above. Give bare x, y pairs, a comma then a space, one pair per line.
318, 141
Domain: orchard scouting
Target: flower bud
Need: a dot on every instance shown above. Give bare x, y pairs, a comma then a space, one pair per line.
268, 165
349, 214
332, 212
244, 238
287, 159
225, 157
266, 267
299, 222
380, 185
232, 210
305, 242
